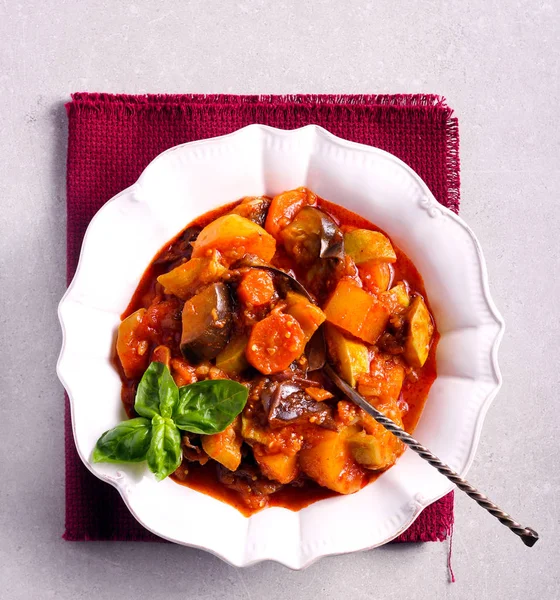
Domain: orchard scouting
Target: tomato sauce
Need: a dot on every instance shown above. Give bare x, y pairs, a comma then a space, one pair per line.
293, 497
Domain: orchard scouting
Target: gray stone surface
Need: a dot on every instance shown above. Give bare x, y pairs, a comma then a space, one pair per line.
497, 64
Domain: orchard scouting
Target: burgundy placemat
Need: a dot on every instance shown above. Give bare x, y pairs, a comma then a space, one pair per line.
113, 137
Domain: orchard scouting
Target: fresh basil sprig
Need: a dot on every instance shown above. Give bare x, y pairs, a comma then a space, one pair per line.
157, 392
164, 454
205, 407
127, 442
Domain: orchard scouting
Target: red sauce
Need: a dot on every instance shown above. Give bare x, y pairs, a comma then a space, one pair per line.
205, 479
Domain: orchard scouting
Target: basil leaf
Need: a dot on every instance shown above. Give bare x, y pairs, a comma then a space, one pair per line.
209, 406
164, 454
127, 442
157, 393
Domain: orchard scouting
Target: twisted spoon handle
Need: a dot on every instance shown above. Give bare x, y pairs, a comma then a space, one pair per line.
528, 535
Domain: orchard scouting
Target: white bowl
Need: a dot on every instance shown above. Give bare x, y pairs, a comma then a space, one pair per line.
191, 179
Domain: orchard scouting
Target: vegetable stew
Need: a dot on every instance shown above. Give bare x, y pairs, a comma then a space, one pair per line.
209, 313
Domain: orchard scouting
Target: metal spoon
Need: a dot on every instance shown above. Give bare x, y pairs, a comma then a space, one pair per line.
316, 355
528, 535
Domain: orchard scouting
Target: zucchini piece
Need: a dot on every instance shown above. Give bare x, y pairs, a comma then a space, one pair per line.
350, 357
232, 358
371, 452
421, 330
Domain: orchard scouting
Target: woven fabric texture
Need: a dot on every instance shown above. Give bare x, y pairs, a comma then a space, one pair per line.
112, 138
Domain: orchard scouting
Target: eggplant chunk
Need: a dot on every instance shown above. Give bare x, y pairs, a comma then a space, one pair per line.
288, 404
312, 235
181, 248
421, 330
254, 208
207, 322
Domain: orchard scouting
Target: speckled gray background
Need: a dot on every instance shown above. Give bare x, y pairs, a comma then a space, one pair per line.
497, 64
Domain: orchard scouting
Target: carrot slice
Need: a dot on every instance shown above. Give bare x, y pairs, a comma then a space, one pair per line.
274, 343
285, 207
256, 288
318, 394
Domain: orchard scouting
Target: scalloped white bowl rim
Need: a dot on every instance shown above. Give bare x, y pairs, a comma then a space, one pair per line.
319, 145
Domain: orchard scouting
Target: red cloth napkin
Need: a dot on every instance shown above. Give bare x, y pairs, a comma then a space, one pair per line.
113, 137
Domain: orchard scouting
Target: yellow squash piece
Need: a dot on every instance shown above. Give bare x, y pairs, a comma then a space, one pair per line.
232, 358
351, 308
224, 447
234, 236
421, 330
307, 314
330, 463
131, 349
186, 279
363, 245
350, 357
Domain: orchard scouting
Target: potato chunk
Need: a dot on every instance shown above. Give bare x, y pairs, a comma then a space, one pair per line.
397, 298
234, 236
421, 330
225, 447
186, 279
375, 275
330, 463
279, 467
384, 380
364, 245
356, 311
350, 357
